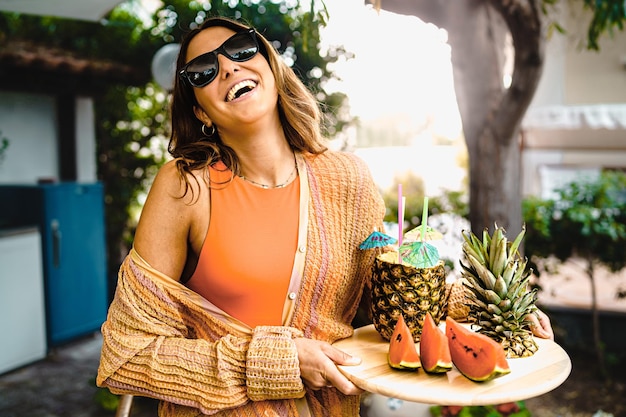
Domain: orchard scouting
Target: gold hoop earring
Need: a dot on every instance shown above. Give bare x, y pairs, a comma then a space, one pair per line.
210, 133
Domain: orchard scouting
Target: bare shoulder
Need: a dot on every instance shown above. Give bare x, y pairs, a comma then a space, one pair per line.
168, 185
166, 223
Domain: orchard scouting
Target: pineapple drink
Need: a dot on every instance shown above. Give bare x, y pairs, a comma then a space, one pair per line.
407, 290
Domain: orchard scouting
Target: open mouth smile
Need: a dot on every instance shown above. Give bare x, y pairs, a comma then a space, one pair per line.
240, 89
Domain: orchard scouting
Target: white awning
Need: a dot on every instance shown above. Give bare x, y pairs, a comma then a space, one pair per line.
91, 10
597, 116
592, 127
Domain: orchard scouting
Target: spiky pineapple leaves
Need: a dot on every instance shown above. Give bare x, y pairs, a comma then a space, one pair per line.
497, 285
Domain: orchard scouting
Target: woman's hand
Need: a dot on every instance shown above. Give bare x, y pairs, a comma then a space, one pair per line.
318, 366
540, 325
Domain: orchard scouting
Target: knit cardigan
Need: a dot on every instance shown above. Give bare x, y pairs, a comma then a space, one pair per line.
160, 340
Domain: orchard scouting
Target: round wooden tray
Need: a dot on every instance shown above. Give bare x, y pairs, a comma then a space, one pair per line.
529, 377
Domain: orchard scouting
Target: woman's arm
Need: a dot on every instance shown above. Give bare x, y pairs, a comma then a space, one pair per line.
163, 233
161, 343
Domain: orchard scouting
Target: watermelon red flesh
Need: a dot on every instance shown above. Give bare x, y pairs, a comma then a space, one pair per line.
434, 349
402, 351
475, 355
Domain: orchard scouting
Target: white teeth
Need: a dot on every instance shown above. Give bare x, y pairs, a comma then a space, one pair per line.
236, 91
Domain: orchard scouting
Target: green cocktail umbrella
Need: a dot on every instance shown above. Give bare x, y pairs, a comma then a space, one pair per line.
421, 254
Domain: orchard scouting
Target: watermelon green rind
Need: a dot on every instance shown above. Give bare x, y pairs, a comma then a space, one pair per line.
406, 366
439, 369
497, 372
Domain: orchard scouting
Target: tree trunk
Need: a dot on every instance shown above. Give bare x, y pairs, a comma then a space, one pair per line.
478, 66
524, 19
491, 114
595, 319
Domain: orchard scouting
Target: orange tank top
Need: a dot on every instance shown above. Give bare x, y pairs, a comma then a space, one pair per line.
247, 257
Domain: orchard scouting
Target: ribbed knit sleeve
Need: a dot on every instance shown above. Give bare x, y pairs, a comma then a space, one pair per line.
159, 344
272, 366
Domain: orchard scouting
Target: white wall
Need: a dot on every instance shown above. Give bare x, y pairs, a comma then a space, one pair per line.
596, 77
551, 88
28, 121
573, 75
575, 78
86, 169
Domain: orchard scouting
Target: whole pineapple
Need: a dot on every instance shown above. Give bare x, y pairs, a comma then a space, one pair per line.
497, 286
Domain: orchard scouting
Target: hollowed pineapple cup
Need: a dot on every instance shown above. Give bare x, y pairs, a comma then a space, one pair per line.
403, 289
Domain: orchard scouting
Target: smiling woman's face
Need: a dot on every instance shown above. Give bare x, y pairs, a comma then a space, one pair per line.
240, 94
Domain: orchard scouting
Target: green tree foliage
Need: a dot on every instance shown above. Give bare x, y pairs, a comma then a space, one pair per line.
587, 219
608, 15
120, 38
413, 190
132, 130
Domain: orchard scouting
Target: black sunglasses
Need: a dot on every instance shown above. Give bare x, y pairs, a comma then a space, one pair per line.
203, 69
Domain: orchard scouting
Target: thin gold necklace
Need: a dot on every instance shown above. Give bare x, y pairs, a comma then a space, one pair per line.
282, 185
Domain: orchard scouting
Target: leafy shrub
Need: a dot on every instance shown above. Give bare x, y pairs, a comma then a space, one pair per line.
586, 219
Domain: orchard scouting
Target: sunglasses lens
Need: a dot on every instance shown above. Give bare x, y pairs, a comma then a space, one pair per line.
202, 70
241, 47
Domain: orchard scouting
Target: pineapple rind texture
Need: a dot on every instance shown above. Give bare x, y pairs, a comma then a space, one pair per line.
496, 284
399, 289
458, 307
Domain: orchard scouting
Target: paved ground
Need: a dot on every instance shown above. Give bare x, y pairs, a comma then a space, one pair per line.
62, 385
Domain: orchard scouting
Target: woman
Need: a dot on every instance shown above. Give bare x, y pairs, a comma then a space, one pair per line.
245, 264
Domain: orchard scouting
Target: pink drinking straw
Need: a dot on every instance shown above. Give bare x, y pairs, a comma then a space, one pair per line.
400, 220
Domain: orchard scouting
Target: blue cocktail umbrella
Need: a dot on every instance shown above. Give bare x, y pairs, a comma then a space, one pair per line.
377, 240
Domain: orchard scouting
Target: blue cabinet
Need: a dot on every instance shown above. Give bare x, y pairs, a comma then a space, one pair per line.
70, 217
